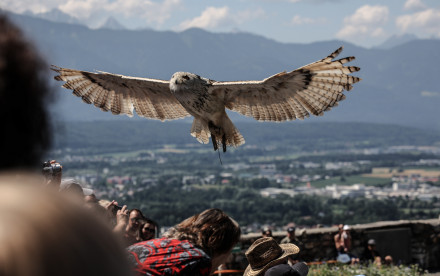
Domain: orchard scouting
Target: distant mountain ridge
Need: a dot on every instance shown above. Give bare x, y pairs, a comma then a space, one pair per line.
55, 15
396, 40
399, 85
112, 24
313, 136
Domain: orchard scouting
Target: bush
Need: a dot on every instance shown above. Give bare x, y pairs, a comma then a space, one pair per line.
370, 270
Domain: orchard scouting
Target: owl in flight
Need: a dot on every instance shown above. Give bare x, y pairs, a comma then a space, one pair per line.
313, 88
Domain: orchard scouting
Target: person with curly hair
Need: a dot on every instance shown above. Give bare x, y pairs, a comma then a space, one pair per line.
196, 246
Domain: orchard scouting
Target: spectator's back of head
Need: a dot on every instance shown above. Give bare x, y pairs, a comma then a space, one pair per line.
43, 232
298, 269
212, 230
23, 95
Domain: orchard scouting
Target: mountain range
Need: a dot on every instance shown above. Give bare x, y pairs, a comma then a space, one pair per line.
399, 83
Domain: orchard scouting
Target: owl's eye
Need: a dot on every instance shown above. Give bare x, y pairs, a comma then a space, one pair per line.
185, 77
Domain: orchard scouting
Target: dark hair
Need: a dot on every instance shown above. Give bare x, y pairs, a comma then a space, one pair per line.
291, 229
137, 210
140, 235
23, 95
212, 230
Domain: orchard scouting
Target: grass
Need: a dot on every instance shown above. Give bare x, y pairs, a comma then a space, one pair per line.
370, 270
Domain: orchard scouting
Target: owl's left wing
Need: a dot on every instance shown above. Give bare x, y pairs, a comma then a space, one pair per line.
313, 88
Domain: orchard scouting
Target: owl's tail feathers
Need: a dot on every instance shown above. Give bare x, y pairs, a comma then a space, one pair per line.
224, 134
200, 130
233, 137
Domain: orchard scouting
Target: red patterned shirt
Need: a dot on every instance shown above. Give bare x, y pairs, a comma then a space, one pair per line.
168, 257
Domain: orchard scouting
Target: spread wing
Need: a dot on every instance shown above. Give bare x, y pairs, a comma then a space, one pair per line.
313, 88
150, 98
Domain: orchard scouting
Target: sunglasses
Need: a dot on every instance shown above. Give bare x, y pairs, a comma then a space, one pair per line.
151, 230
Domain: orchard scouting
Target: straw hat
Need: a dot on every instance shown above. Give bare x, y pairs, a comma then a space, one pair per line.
265, 253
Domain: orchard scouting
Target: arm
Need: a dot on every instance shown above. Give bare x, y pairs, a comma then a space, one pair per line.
121, 220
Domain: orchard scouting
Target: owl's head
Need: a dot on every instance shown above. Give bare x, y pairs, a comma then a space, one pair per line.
184, 78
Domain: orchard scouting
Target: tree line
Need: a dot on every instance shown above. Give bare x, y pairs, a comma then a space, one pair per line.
169, 203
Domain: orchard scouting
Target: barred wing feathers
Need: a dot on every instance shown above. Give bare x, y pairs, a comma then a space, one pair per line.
313, 88
120, 94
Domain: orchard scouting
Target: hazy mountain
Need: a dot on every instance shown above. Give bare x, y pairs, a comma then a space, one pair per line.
55, 15
397, 40
112, 24
399, 85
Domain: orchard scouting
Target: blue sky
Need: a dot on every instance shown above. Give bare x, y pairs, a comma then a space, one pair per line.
365, 23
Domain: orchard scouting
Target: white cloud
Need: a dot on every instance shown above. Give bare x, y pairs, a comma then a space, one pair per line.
247, 15
426, 22
367, 21
215, 17
30, 5
313, 1
148, 10
430, 94
211, 17
82, 8
300, 20
414, 5
151, 11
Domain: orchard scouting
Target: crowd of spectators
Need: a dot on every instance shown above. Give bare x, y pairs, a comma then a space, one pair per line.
343, 252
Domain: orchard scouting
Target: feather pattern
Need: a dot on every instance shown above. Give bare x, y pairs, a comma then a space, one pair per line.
311, 89
119, 94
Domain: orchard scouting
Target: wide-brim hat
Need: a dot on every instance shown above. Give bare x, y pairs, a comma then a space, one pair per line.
265, 253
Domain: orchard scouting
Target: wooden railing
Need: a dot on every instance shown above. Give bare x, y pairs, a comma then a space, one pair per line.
228, 272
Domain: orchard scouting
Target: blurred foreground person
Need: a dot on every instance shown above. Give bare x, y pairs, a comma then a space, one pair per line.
24, 94
196, 246
45, 233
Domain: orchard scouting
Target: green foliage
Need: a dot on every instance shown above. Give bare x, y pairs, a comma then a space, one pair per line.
171, 204
163, 153
370, 270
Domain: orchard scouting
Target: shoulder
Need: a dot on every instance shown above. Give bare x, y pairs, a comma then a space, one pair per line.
169, 256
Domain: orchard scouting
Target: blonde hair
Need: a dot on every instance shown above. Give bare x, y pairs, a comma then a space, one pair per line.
212, 230
43, 232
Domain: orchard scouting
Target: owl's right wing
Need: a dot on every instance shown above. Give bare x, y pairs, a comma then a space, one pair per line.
151, 98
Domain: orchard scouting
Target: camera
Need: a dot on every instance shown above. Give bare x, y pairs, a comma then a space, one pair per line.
115, 209
51, 168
